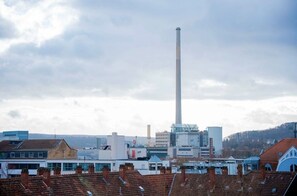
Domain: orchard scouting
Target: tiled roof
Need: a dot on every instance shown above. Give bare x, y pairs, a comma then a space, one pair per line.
273, 153
250, 184
160, 184
155, 185
7, 145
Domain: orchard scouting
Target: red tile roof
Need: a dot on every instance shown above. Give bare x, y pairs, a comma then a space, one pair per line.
273, 153
158, 185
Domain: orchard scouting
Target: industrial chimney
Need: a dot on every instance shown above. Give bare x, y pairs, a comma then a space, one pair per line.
178, 117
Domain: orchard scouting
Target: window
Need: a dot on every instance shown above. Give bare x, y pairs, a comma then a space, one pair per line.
12, 155
40, 154
52, 166
31, 154
69, 166
293, 167
22, 155
99, 166
268, 167
23, 165
85, 166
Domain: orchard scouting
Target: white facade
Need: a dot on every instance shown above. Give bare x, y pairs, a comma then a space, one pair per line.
162, 139
187, 151
188, 139
13, 167
118, 148
216, 134
136, 153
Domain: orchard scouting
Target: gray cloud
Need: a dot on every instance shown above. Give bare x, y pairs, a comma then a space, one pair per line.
122, 50
7, 29
14, 114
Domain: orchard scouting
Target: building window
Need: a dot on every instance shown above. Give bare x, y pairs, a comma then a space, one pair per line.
293, 168
23, 165
40, 154
85, 166
268, 167
12, 155
99, 166
69, 166
31, 154
52, 166
22, 155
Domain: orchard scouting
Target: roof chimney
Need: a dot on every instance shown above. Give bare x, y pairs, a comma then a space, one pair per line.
78, 169
25, 178
239, 170
57, 171
105, 172
91, 169
168, 170
122, 172
183, 173
129, 166
262, 172
225, 171
162, 170
40, 171
47, 176
212, 176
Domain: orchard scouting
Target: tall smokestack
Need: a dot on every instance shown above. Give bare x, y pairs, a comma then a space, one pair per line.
178, 117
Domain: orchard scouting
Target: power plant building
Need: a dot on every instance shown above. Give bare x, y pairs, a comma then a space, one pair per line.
185, 139
216, 134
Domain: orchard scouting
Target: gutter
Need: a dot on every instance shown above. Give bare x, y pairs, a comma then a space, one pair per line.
172, 184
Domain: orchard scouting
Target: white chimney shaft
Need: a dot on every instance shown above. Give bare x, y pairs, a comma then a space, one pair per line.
178, 115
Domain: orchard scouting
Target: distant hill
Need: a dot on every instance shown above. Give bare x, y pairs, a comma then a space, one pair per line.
252, 143
285, 130
81, 141
75, 141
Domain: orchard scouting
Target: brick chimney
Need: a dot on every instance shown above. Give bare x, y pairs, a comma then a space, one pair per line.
225, 171
129, 166
91, 169
212, 176
183, 173
162, 170
40, 171
122, 172
47, 176
78, 169
105, 172
168, 170
57, 171
239, 170
25, 178
262, 172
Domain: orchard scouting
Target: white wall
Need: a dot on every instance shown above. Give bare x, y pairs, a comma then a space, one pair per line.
217, 134
118, 147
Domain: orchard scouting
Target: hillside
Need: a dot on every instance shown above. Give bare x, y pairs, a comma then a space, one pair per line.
81, 141
251, 143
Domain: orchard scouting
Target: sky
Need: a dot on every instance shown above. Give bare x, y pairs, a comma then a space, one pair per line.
97, 67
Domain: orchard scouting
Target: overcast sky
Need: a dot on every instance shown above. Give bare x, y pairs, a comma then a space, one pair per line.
95, 67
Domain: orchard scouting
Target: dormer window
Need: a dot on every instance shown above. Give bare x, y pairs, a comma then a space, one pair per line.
40, 154
12, 155
22, 155
31, 154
